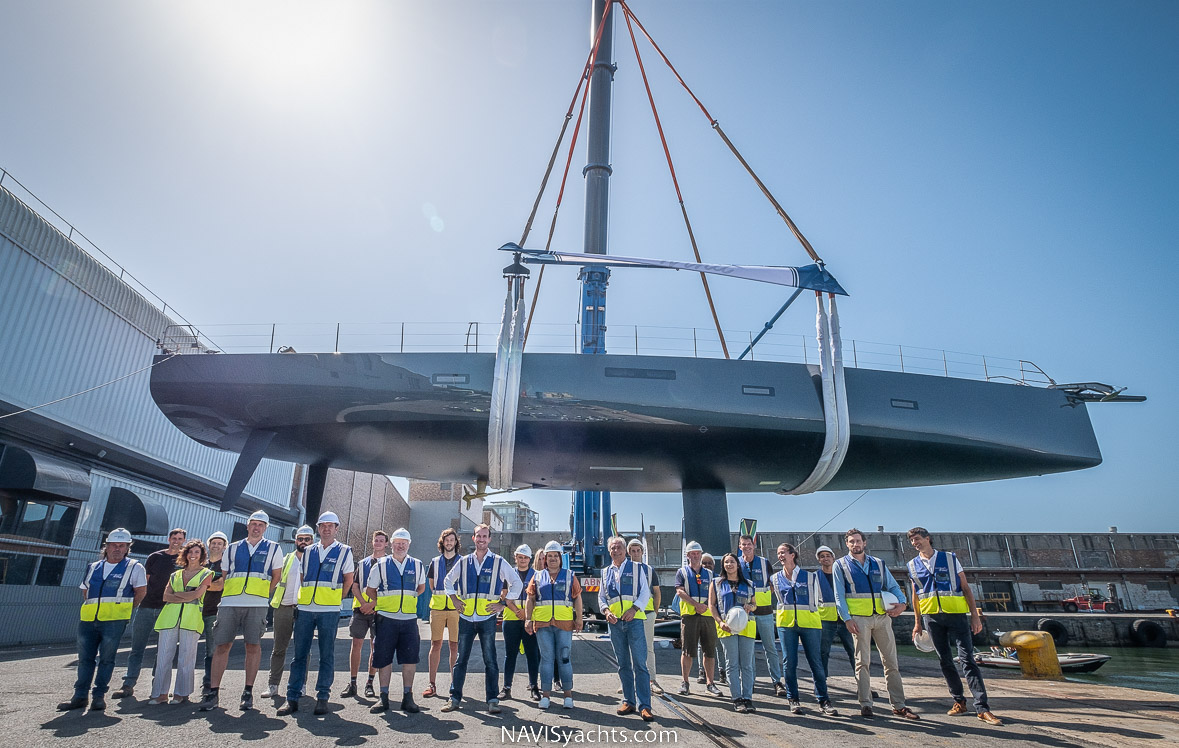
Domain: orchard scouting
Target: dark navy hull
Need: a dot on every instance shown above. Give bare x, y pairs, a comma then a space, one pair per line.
622, 423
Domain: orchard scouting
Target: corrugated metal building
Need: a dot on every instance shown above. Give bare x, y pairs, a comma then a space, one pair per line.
73, 470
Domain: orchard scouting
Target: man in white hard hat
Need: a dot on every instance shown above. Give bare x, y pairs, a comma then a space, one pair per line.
623, 597
327, 570
515, 635
478, 584
252, 568
696, 625
394, 585
159, 567
112, 588
216, 545
364, 616
284, 602
635, 550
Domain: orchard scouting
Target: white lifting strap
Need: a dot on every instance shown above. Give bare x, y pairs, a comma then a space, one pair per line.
505, 389
835, 417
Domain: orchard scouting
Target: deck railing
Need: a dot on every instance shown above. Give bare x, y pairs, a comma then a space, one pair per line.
480, 337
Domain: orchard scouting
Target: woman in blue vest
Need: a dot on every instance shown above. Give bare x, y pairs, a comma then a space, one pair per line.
180, 624
731, 590
554, 613
515, 635
796, 592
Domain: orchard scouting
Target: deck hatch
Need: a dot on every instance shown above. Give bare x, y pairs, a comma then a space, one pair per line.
751, 389
904, 404
626, 373
450, 379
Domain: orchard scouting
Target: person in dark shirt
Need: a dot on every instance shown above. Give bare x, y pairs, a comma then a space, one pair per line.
159, 567
216, 544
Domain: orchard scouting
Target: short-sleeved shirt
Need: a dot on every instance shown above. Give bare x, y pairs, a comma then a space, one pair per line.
379, 574
159, 567
574, 593
347, 566
213, 597
138, 575
250, 601
929, 562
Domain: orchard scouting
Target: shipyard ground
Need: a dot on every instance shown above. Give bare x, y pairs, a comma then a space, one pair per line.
33, 681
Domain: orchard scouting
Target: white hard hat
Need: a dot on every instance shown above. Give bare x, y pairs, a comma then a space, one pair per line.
693, 546
737, 619
400, 534
553, 547
261, 516
923, 641
118, 535
215, 536
823, 548
889, 599
305, 530
524, 550
635, 541
328, 517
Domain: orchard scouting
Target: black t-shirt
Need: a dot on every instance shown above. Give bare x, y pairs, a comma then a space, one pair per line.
159, 567
213, 599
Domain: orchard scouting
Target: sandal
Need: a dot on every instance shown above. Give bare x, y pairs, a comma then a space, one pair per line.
431, 690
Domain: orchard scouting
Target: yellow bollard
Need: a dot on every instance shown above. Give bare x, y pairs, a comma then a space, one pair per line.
1036, 652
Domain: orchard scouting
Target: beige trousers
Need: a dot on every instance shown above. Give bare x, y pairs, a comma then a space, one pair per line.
877, 628
649, 629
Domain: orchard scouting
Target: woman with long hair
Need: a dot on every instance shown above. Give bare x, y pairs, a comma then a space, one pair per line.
731, 590
797, 620
181, 623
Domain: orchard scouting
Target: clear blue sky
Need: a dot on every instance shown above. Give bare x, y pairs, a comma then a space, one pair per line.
996, 178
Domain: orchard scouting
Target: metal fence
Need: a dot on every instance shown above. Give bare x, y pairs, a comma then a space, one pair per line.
480, 337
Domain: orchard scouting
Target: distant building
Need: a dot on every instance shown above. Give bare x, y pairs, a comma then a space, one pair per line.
517, 516
492, 519
435, 506
365, 503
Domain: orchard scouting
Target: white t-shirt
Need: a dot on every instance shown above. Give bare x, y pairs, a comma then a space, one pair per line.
347, 566
138, 575
379, 575
243, 600
929, 562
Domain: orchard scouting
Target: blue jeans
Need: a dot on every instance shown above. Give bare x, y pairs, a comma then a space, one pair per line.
206, 638
951, 636
143, 625
307, 625
555, 646
831, 631
767, 632
98, 643
811, 639
468, 630
739, 665
514, 637
630, 649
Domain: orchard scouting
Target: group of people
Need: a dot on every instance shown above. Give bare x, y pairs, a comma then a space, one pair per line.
222, 590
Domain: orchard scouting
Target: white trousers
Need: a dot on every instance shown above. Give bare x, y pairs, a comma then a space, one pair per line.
185, 662
649, 628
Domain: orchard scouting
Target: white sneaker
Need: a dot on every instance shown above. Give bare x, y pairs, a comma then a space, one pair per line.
270, 692
544, 702
568, 702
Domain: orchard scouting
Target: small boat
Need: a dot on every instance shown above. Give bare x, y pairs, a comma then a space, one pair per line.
1070, 662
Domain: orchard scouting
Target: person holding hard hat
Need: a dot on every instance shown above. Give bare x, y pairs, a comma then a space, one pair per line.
394, 584
215, 546
252, 568
112, 587
731, 602
554, 613
326, 571
180, 625
515, 635
285, 603
945, 606
868, 598
623, 597
364, 616
697, 628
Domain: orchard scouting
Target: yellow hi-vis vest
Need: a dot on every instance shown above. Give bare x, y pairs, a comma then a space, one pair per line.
828, 610
509, 614
554, 597
727, 598
112, 598
651, 599
940, 591
249, 573
796, 608
479, 589
862, 591
397, 591
615, 582
323, 576
363, 570
758, 574
439, 600
184, 615
696, 586
281, 588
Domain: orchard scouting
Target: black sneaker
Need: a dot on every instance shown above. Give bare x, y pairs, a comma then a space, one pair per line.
505, 694
827, 709
321, 706
739, 705
98, 704
407, 704
684, 689
780, 690
288, 708
534, 692
369, 693
381, 706
795, 707
349, 690
209, 703
78, 702
749, 706
247, 700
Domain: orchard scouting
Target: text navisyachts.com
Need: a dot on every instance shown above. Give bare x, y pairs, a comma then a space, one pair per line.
538, 734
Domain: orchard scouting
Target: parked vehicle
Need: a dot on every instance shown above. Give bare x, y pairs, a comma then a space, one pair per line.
1092, 602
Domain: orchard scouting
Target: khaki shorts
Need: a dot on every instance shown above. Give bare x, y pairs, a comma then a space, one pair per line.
444, 619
